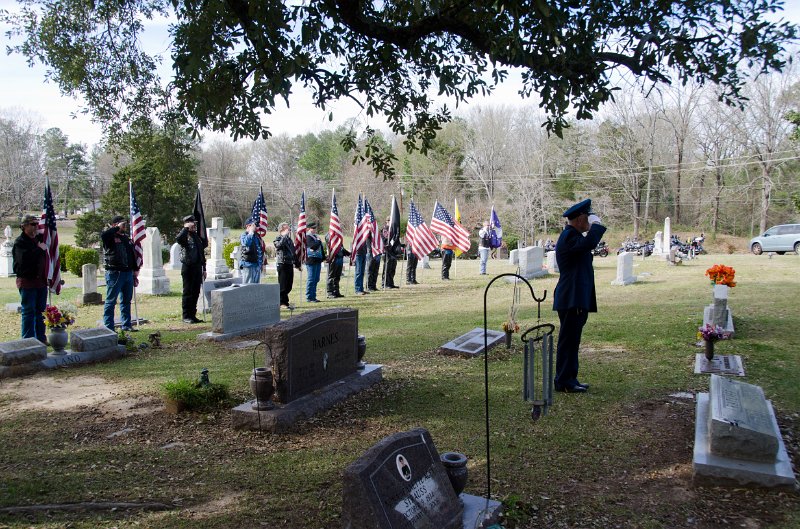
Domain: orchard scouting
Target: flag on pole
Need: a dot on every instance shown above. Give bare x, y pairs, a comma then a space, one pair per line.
377, 240
300, 234
334, 229
496, 235
418, 234
361, 227
138, 229
259, 213
443, 224
457, 215
49, 234
200, 218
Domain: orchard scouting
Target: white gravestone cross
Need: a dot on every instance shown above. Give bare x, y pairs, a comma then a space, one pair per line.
216, 267
6, 257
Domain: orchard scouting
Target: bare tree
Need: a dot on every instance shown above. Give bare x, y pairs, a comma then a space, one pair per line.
223, 177
21, 163
488, 137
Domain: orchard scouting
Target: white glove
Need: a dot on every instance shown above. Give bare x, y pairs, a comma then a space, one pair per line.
594, 219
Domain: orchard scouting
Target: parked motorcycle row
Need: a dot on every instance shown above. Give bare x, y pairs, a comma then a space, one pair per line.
683, 250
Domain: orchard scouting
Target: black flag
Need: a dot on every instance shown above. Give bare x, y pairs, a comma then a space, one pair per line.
200, 218
394, 225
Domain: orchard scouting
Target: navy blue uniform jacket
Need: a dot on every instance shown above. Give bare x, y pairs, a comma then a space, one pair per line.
575, 288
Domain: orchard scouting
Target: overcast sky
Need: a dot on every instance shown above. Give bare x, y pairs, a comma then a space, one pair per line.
24, 89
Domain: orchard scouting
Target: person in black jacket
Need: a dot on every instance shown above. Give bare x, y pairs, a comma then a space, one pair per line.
193, 267
412, 261
390, 251
122, 272
574, 296
315, 254
285, 262
29, 264
335, 267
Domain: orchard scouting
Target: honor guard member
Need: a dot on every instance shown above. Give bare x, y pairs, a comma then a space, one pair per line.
574, 297
193, 267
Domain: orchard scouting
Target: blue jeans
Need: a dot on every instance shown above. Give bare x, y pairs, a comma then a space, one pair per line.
34, 301
484, 257
313, 271
359, 275
251, 274
118, 284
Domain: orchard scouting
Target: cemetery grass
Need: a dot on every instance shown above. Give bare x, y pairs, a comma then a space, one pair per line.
619, 456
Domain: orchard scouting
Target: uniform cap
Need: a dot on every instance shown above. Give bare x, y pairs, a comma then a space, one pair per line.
188, 218
117, 219
311, 225
584, 206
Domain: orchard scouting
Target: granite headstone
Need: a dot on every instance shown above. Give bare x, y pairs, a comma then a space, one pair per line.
90, 295
624, 269
400, 483
152, 278
312, 350
239, 310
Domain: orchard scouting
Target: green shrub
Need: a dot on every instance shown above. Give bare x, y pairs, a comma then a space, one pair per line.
194, 395
87, 229
63, 251
512, 241
227, 250
164, 254
77, 257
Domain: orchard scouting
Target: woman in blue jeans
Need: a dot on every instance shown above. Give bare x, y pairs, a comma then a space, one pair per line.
315, 254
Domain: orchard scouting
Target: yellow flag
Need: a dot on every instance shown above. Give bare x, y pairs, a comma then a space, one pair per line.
458, 219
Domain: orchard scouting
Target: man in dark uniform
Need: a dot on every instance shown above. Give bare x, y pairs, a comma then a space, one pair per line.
390, 248
285, 262
412, 260
574, 296
335, 267
122, 272
373, 268
193, 267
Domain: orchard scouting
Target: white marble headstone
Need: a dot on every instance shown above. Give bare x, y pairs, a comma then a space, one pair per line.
624, 269
174, 257
152, 278
513, 257
552, 263
530, 262
667, 235
658, 243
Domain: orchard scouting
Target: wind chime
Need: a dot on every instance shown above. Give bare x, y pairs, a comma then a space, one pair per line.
537, 365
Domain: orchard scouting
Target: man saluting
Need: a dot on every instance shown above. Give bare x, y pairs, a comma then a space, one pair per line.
574, 296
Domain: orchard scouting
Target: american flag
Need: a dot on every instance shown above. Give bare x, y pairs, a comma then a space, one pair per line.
418, 234
300, 234
334, 229
49, 233
260, 213
377, 240
138, 229
443, 224
361, 227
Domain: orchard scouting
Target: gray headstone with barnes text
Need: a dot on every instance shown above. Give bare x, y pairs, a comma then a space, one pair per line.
239, 310
400, 483
312, 350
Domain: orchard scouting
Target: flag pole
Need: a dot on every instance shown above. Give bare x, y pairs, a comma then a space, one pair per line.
130, 226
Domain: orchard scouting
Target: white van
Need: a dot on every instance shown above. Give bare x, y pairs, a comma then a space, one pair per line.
779, 239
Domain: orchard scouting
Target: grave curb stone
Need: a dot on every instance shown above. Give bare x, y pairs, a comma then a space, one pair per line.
283, 417
493, 338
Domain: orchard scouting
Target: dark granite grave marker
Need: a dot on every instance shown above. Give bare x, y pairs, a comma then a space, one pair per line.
400, 483
312, 350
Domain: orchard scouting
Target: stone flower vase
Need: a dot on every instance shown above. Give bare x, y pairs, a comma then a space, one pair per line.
362, 350
58, 339
709, 349
262, 387
455, 464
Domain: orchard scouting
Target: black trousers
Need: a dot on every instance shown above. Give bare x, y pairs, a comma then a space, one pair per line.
389, 267
192, 282
569, 340
334, 276
372, 273
285, 280
411, 271
447, 260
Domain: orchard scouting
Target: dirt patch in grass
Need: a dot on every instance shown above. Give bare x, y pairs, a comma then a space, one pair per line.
653, 486
44, 392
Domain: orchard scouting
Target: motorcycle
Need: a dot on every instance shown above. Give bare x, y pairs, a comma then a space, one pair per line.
601, 249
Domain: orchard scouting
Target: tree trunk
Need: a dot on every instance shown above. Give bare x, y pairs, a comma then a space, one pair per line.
766, 191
